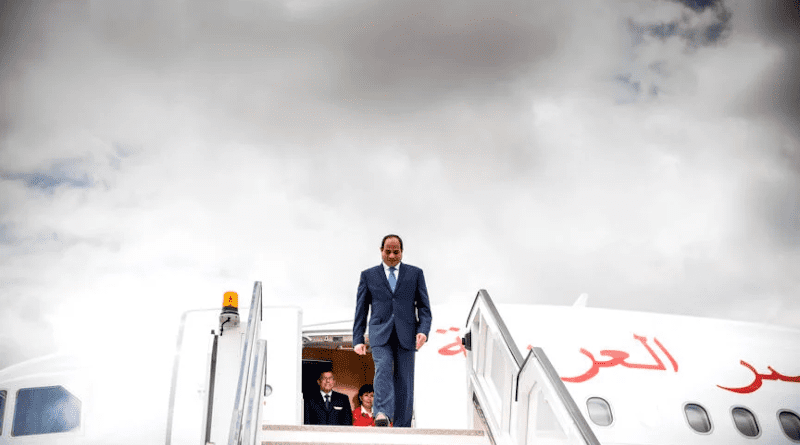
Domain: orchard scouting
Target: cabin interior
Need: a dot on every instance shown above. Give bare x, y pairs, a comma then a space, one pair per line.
333, 351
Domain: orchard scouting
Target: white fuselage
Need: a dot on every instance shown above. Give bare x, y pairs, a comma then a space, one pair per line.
651, 371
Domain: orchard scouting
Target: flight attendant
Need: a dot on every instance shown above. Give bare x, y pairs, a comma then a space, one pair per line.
327, 407
362, 415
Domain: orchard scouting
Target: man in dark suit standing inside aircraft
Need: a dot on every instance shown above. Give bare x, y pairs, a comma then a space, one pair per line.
326, 406
399, 325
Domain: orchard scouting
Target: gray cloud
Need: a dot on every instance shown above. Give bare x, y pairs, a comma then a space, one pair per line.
156, 154
699, 5
66, 172
695, 30
774, 191
780, 22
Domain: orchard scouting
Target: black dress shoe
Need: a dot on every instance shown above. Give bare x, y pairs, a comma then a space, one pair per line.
383, 421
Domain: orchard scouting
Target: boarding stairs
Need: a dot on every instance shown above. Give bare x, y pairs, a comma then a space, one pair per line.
516, 399
317, 434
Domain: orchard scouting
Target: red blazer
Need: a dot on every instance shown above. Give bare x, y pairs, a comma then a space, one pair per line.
361, 419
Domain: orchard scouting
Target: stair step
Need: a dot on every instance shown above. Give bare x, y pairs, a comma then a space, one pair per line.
340, 435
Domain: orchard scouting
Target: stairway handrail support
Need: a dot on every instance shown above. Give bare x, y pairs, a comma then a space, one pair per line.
554, 380
584, 430
248, 348
501, 325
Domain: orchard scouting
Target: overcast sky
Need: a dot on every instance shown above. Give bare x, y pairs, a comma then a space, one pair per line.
155, 154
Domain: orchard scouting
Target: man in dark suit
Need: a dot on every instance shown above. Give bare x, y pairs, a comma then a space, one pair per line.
326, 406
399, 325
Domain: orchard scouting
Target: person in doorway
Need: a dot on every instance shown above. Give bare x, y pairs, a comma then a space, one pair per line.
398, 327
327, 407
362, 415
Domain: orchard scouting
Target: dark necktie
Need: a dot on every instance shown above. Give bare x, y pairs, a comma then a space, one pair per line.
327, 401
392, 280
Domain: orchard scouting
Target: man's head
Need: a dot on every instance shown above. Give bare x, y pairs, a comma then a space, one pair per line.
392, 250
326, 381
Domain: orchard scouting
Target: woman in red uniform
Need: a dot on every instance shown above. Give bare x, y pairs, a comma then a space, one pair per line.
362, 415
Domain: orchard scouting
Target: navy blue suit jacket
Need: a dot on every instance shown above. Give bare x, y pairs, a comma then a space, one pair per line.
409, 305
338, 414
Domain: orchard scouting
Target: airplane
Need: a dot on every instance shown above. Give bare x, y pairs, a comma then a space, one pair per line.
489, 374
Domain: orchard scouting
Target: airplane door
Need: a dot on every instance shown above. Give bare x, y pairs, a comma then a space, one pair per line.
282, 329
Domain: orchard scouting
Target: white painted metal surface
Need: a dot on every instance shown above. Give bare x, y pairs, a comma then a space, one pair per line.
669, 361
522, 401
647, 367
316, 434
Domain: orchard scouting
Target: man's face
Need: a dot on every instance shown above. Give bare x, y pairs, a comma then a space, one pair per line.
326, 381
391, 252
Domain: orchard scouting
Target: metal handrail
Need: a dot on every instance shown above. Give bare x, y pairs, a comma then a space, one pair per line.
563, 394
234, 437
501, 325
535, 353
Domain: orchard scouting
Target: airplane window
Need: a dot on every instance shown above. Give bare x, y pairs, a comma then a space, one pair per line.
45, 410
790, 422
745, 422
697, 417
2, 409
599, 411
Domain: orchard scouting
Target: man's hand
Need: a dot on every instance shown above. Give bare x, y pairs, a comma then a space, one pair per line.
361, 349
421, 339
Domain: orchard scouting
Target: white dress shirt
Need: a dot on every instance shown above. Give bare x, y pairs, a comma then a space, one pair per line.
396, 270
326, 394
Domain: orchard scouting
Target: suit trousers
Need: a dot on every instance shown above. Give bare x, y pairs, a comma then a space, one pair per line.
394, 381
